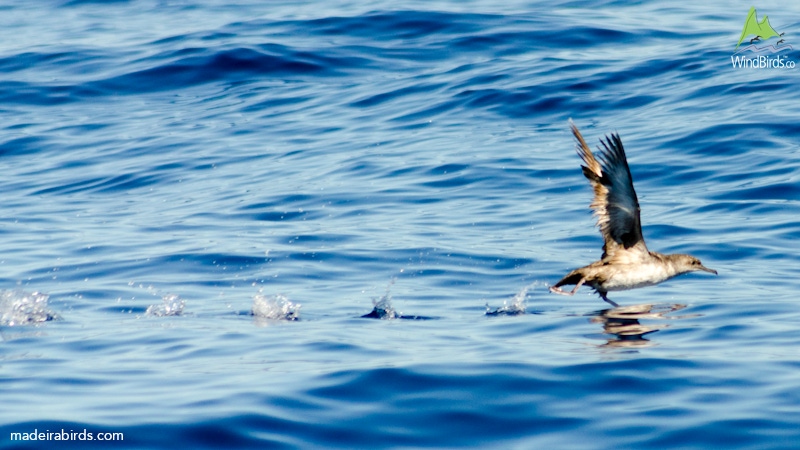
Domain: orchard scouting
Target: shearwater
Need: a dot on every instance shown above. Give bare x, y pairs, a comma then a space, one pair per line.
626, 263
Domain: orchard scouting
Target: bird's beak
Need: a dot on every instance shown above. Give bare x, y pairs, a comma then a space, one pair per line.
706, 269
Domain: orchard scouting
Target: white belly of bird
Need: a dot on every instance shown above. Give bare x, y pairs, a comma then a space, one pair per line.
636, 276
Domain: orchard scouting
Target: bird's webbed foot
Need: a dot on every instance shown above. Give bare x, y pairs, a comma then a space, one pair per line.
558, 290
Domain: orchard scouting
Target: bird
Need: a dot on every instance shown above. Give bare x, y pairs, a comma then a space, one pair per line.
626, 262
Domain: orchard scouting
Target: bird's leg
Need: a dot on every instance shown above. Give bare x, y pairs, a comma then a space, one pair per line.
558, 290
609, 301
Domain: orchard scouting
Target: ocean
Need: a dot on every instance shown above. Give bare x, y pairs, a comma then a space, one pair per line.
268, 224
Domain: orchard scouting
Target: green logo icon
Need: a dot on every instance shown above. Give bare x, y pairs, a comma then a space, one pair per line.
763, 54
760, 30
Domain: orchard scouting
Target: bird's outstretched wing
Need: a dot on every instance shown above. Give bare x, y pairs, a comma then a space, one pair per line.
615, 203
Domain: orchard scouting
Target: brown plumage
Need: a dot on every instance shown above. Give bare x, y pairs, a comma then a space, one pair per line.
626, 262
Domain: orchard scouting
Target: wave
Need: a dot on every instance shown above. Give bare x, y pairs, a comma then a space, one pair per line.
772, 48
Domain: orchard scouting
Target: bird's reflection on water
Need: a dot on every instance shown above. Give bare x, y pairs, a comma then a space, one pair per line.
623, 323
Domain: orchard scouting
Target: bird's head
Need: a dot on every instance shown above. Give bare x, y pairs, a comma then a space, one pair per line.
688, 263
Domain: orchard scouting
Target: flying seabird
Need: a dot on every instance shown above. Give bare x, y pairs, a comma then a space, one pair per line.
626, 263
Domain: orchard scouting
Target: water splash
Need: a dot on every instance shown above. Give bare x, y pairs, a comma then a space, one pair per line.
274, 307
513, 307
382, 308
172, 305
24, 308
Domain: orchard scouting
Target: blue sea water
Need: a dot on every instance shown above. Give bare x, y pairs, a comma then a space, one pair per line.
200, 201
